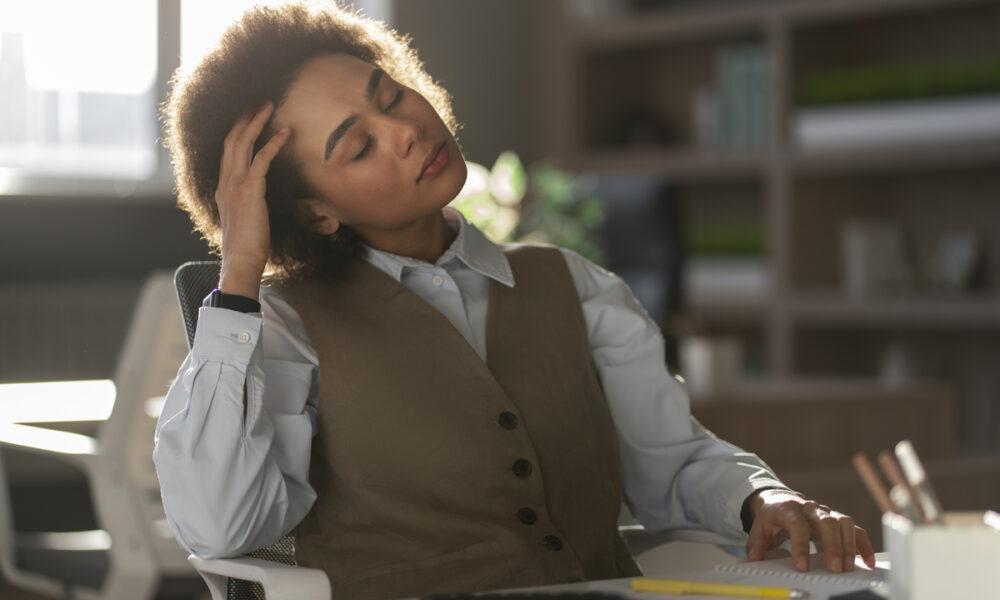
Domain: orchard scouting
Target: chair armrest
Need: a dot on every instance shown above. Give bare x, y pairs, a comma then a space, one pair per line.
280, 581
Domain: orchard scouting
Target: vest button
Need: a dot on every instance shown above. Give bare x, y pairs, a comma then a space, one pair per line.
553, 543
508, 420
522, 468
527, 516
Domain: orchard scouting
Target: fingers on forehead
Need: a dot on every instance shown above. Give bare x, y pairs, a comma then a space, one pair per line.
252, 129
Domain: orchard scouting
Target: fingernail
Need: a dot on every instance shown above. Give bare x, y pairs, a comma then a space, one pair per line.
849, 565
802, 564
838, 565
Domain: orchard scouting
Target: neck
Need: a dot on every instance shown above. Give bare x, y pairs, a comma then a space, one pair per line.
426, 239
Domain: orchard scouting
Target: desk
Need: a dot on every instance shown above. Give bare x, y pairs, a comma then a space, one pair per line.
621, 586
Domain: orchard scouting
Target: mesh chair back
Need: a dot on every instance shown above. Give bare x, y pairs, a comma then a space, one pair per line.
193, 281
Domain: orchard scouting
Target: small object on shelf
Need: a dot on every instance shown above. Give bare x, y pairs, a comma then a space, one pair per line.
874, 259
957, 262
896, 365
710, 363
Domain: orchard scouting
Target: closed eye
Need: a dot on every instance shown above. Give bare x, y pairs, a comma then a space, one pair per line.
368, 142
396, 99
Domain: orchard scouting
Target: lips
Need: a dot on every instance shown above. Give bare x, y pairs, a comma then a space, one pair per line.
433, 162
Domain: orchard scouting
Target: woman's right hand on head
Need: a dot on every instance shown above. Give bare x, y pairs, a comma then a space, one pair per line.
246, 234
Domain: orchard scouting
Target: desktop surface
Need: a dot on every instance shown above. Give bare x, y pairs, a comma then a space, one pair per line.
818, 582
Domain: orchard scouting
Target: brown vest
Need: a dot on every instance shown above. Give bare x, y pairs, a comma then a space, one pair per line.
437, 473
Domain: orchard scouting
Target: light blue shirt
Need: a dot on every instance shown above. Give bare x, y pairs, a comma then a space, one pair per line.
231, 485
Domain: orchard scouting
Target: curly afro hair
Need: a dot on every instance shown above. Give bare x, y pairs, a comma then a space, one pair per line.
256, 61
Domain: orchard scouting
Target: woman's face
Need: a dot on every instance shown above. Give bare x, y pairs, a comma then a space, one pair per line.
377, 152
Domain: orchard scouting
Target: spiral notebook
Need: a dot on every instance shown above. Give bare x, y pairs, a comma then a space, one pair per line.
818, 581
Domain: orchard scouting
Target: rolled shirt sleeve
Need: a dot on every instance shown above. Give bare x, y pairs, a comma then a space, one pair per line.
675, 473
232, 484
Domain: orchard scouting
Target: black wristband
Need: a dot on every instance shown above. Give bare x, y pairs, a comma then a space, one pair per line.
745, 515
217, 299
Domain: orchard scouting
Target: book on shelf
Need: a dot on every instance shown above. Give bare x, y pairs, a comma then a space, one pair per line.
741, 98
898, 122
720, 279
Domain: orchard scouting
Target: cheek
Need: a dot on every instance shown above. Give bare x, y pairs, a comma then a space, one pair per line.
366, 189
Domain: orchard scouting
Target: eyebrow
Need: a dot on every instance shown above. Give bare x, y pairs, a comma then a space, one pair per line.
341, 129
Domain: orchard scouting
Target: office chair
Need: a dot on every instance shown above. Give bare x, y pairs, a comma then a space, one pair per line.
271, 572
134, 556
268, 572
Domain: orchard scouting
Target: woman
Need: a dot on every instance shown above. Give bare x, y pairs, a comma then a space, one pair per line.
429, 411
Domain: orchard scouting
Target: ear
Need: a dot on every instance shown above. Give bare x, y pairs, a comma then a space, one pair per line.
320, 217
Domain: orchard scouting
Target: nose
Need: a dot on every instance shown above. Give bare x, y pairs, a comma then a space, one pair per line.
402, 134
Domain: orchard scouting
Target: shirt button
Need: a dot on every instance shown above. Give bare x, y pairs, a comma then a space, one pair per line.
552, 543
527, 516
522, 468
243, 337
574, 580
438, 280
508, 420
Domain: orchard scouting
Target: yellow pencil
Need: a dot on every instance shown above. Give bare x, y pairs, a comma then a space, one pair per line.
677, 587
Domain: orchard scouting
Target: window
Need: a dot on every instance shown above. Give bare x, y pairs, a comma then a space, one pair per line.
81, 82
78, 87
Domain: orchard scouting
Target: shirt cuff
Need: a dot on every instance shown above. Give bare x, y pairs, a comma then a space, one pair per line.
224, 334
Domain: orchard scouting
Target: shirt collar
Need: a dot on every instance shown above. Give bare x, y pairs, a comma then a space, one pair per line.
470, 246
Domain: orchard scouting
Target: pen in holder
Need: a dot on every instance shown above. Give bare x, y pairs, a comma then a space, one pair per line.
957, 557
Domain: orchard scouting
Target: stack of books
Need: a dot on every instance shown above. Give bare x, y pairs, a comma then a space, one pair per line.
896, 105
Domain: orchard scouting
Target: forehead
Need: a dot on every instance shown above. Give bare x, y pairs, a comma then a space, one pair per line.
335, 81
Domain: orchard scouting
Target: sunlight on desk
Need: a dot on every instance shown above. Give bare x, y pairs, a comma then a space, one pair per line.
53, 402
56, 401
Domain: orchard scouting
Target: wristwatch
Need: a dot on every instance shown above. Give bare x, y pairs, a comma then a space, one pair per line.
217, 299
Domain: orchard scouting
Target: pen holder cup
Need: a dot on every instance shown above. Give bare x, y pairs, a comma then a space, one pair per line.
958, 558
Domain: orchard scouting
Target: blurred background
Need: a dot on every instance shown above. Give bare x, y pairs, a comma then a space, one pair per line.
805, 195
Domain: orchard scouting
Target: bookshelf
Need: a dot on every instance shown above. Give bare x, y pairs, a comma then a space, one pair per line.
645, 71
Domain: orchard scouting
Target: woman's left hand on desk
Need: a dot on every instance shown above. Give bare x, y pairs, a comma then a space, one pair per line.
780, 515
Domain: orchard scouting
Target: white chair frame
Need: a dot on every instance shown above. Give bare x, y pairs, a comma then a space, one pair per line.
117, 463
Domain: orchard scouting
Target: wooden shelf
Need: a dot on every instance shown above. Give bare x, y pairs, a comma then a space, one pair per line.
657, 63
898, 159
830, 11
740, 313
657, 28
683, 165
665, 27
947, 313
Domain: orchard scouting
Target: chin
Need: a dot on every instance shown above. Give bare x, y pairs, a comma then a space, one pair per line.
454, 178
